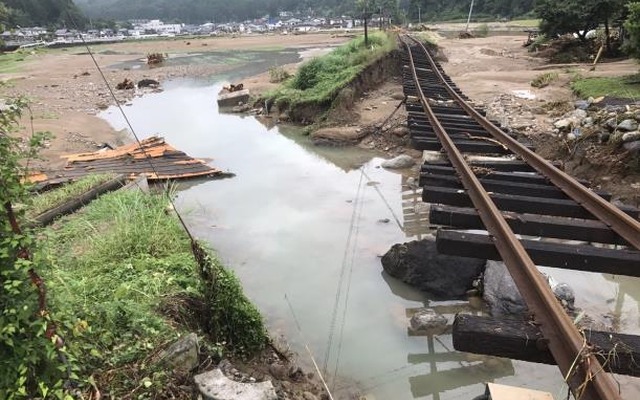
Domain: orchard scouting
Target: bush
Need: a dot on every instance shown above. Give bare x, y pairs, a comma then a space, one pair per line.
482, 30
278, 74
544, 80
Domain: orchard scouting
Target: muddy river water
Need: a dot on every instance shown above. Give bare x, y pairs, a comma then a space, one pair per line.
304, 228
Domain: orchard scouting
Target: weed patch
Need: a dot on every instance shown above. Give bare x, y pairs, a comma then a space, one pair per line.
627, 87
113, 268
319, 80
544, 80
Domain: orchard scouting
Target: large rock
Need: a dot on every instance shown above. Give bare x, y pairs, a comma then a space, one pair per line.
402, 161
214, 385
631, 137
419, 264
338, 135
500, 291
504, 298
428, 321
628, 125
182, 355
633, 147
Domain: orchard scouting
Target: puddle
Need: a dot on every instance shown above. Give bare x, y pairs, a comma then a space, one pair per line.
306, 223
524, 94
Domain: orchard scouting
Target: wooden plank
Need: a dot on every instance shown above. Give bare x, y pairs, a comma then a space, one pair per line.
511, 176
529, 224
507, 165
522, 340
48, 216
465, 146
567, 256
497, 186
520, 204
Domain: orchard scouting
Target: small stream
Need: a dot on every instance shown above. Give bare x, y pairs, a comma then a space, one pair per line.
304, 228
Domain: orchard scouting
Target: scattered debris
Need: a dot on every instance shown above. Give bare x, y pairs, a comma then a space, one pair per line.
155, 58
154, 159
234, 88
127, 84
152, 83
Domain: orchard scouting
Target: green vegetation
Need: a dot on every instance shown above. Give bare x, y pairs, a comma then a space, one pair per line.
40, 12
482, 30
11, 62
30, 349
319, 80
577, 16
632, 25
544, 79
113, 266
121, 284
278, 74
623, 87
53, 198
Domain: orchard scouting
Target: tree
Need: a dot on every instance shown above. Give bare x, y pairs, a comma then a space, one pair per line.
577, 16
632, 26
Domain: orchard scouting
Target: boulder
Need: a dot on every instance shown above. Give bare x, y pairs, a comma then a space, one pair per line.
418, 264
632, 147
631, 136
500, 291
214, 385
628, 125
182, 355
564, 124
502, 294
148, 83
400, 162
338, 135
426, 320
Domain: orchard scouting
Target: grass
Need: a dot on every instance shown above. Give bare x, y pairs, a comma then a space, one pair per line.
627, 87
112, 268
544, 80
11, 62
320, 80
528, 23
53, 198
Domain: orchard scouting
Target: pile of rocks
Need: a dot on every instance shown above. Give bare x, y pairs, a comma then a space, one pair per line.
611, 124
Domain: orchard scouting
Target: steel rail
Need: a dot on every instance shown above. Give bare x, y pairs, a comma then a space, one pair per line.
623, 224
582, 370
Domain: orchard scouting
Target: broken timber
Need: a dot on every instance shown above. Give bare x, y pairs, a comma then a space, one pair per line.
522, 340
153, 158
576, 257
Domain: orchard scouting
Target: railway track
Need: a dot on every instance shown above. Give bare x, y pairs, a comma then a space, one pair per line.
515, 195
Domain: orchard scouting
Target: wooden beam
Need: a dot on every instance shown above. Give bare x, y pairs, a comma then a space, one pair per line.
507, 165
72, 205
521, 204
529, 224
522, 340
496, 186
576, 257
465, 146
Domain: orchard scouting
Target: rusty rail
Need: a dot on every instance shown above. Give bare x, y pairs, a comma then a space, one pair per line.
581, 370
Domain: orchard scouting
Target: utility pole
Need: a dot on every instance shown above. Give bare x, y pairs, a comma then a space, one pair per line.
419, 16
469, 18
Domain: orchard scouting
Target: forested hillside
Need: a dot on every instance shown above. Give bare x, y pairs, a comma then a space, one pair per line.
224, 10
39, 12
